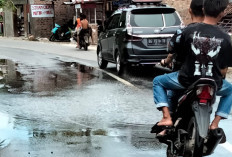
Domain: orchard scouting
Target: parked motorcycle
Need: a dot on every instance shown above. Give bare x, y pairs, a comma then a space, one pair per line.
60, 33
190, 136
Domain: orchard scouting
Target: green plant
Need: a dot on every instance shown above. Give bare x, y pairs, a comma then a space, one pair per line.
7, 4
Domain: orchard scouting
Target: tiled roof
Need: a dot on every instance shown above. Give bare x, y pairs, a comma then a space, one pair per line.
229, 9
226, 21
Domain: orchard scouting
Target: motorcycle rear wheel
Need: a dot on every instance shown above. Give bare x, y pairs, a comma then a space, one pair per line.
194, 143
52, 38
170, 153
86, 47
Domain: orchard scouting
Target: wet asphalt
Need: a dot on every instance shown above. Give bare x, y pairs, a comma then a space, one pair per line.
56, 102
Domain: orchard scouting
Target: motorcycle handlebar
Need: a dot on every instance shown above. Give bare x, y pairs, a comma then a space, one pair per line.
160, 67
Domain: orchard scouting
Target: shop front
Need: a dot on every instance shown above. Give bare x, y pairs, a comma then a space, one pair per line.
94, 11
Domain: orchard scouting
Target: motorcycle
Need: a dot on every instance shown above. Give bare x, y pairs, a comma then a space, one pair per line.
60, 33
84, 39
190, 136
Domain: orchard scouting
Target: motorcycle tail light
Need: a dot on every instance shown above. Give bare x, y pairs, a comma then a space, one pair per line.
204, 94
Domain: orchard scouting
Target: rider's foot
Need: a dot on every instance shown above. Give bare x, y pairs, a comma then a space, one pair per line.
215, 123
165, 122
161, 126
212, 127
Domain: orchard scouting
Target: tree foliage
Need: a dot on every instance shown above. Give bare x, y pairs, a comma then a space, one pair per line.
7, 4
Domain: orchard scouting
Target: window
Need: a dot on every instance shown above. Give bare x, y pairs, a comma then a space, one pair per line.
93, 12
114, 22
122, 22
172, 19
146, 20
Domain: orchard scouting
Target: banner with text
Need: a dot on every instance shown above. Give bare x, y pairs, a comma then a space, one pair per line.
42, 11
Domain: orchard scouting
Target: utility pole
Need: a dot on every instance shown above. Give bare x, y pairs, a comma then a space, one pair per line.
53, 5
104, 9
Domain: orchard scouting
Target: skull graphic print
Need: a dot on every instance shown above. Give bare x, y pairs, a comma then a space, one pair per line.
205, 49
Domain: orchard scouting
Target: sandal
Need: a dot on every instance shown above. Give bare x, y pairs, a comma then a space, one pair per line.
223, 140
159, 135
157, 129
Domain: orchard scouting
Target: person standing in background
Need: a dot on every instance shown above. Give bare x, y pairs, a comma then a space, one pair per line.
78, 28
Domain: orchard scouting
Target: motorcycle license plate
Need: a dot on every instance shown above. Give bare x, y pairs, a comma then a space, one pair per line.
156, 42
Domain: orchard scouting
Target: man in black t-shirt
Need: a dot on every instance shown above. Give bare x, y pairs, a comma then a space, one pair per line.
207, 52
174, 46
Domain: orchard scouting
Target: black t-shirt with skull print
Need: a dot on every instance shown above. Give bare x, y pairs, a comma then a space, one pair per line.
174, 46
206, 49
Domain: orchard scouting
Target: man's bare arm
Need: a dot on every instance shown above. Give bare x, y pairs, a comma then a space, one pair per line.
223, 72
167, 60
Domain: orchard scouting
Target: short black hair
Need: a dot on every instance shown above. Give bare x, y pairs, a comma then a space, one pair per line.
197, 7
213, 8
83, 16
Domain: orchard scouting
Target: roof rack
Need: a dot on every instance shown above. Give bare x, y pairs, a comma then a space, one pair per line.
146, 1
136, 3
156, 2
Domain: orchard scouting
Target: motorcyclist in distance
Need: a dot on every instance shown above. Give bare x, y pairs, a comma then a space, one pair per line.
199, 40
84, 23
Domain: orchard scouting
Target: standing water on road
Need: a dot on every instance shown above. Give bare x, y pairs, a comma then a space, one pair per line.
69, 109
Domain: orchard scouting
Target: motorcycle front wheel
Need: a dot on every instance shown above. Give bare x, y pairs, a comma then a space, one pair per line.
194, 143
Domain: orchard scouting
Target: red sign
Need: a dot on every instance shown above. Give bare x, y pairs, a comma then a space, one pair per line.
42, 11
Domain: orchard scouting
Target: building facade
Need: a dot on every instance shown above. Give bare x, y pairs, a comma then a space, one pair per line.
182, 7
38, 17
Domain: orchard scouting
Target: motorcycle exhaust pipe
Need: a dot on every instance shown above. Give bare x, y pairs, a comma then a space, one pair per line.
214, 138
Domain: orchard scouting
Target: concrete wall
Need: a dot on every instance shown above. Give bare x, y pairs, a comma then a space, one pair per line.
182, 7
41, 27
9, 24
